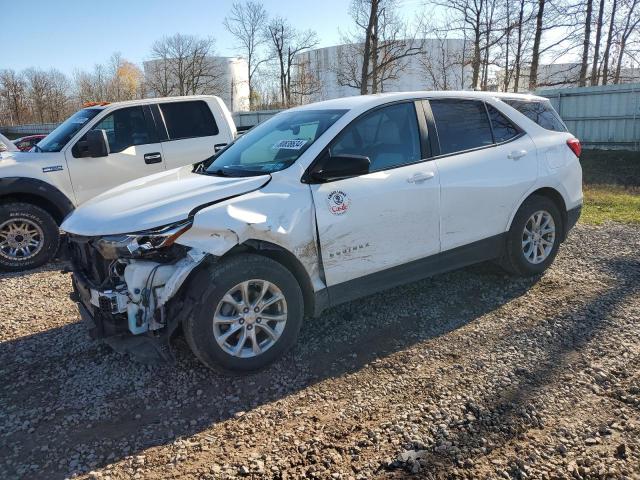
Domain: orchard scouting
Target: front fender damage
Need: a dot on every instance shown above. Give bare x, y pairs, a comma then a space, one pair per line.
286, 220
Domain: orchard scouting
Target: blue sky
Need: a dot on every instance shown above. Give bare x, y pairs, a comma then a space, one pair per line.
73, 34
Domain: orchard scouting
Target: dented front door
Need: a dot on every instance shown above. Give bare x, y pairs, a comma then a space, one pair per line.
386, 218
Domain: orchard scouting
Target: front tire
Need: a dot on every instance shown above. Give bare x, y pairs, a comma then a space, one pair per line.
249, 316
29, 236
534, 237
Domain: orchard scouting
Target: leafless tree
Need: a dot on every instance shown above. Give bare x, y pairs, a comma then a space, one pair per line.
287, 43
183, 65
630, 26
59, 102
468, 17
598, 40
607, 49
440, 64
13, 90
37, 90
379, 47
247, 22
584, 63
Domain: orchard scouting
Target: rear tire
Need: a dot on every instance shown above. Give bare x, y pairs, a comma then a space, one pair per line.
534, 237
29, 236
230, 329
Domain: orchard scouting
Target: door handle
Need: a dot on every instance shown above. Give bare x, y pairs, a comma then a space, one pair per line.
420, 177
219, 146
516, 154
154, 157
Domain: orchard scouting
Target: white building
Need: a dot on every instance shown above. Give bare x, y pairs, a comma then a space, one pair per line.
439, 67
231, 81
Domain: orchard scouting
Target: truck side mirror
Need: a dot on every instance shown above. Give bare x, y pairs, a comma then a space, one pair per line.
97, 143
340, 166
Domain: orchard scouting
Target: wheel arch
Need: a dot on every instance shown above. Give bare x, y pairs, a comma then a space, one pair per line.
288, 260
552, 194
38, 193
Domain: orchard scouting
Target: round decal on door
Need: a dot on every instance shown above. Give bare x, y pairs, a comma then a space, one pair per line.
338, 202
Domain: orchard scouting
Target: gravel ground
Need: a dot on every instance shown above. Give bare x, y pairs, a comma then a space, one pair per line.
466, 375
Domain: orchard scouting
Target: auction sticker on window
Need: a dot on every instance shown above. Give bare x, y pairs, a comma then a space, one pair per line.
339, 202
289, 144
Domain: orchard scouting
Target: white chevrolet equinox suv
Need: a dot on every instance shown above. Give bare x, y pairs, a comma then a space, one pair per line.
317, 206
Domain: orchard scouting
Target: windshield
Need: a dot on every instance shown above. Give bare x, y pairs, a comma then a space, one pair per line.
66, 130
275, 144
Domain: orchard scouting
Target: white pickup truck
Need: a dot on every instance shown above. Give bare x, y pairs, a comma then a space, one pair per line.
94, 150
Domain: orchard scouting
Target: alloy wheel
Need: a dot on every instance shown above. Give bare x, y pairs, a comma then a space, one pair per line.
538, 237
250, 318
20, 239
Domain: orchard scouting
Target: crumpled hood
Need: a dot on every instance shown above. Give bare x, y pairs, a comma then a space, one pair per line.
154, 201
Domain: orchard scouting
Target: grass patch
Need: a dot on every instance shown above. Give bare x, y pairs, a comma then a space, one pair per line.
611, 186
612, 202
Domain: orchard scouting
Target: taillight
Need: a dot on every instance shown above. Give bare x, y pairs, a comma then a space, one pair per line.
574, 145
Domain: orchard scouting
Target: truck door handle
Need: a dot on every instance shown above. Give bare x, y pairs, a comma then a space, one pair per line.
420, 177
154, 157
516, 154
219, 146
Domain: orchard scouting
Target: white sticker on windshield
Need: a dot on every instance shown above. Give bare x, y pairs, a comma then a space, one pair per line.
289, 145
79, 120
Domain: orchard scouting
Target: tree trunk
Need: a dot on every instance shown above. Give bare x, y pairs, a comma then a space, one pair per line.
596, 50
366, 55
582, 81
475, 62
535, 55
518, 59
616, 78
506, 60
375, 71
607, 49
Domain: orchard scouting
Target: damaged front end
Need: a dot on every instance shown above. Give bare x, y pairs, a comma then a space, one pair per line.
127, 287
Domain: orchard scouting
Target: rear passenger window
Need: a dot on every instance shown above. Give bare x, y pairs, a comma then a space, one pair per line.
503, 129
540, 112
461, 124
188, 119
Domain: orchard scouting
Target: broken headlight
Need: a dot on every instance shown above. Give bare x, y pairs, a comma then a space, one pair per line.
137, 244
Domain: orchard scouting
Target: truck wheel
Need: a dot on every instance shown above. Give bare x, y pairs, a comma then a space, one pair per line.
249, 316
534, 237
29, 237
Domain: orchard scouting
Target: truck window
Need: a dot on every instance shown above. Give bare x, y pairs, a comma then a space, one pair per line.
188, 119
125, 128
540, 112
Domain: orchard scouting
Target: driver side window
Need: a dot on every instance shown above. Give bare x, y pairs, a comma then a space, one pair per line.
126, 127
389, 136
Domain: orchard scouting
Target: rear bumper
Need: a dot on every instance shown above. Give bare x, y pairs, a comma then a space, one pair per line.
572, 217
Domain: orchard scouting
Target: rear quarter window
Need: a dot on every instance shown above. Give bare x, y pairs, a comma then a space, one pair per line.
188, 119
540, 112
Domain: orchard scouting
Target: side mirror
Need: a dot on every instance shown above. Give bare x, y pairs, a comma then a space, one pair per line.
340, 166
97, 143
